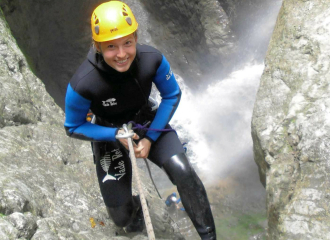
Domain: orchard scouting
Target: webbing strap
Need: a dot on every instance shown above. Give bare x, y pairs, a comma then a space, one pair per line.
144, 127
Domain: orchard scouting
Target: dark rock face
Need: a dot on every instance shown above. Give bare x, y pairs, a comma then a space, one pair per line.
252, 23
291, 125
48, 185
53, 49
55, 35
196, 34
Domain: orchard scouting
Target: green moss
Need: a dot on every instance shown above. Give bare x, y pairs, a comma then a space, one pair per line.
29, 61
240, 226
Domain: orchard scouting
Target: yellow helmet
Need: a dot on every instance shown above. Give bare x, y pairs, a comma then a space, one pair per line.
112, 20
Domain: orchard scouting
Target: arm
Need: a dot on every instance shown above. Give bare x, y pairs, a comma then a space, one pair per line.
170, 93
76, 126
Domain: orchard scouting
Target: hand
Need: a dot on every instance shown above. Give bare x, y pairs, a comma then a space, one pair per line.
124, 141
143, 148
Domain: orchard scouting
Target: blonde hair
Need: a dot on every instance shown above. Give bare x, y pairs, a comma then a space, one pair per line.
94, 43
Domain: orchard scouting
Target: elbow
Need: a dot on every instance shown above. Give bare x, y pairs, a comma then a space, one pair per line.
70, 126
67, 131
73, 132
176, 99
175, 95
179, 96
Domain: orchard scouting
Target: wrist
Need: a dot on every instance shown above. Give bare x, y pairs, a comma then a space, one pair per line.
149, 139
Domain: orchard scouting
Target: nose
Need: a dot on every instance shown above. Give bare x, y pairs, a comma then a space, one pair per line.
121, 52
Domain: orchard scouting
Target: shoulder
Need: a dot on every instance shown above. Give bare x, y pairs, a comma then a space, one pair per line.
146, 51
149, 57
142, 48
84, 70
80, 81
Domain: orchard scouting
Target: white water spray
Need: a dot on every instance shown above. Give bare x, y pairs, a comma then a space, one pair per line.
216, 123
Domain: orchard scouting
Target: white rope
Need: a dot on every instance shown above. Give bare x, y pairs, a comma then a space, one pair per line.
147, 219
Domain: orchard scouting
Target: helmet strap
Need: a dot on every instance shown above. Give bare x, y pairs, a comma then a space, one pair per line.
97, 47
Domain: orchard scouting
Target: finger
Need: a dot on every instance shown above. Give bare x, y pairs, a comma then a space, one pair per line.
137, 152
143, 155
138, 148
135, 136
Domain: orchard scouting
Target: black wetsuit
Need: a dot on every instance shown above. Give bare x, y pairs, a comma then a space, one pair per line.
116, 98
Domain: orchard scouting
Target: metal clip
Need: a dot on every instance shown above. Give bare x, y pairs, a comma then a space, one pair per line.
128, 132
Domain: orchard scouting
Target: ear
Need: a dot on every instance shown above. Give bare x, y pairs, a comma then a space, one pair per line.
97, 46
135, 36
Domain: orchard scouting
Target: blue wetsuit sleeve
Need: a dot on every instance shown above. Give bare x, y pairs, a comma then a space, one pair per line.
170, 92
76, 109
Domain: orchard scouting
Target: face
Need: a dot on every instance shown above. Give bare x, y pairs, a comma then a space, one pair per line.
119, 53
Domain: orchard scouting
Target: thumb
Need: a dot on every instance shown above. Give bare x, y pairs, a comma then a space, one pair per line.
135, 136
139, 148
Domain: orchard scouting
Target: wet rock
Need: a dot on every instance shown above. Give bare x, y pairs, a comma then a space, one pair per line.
291, 127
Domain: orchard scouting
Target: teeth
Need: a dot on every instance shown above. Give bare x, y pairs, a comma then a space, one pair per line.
122, 61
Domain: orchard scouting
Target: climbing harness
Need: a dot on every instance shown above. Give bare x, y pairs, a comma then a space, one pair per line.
128, 135
144, 127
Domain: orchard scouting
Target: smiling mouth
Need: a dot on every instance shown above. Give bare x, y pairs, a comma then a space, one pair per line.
122, 61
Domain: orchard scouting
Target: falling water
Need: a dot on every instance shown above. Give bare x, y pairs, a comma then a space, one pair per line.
216, 122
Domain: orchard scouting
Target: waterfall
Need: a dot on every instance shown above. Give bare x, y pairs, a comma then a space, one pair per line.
216, 122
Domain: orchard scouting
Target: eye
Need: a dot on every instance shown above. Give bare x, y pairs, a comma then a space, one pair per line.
111, 46
129, 42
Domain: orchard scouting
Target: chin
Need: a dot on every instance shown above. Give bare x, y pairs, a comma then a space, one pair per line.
120, 68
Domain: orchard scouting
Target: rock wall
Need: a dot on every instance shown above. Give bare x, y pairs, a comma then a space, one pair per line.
48, 184
291, 126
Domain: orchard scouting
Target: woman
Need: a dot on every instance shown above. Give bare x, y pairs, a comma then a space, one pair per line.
114, 82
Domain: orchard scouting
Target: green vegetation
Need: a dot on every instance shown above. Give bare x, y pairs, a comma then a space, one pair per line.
240, 226
29, 61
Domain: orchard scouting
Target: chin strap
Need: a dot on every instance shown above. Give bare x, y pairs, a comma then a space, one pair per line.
129, 134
